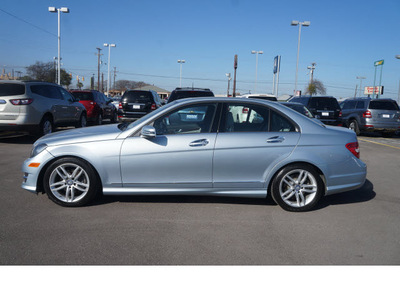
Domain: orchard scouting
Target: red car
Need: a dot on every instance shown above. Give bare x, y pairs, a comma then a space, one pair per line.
97, 105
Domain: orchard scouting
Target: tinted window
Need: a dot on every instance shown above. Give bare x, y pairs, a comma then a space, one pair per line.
299, 108
280, 123
349, 105
137, 97
383, 105
189, 94
83, 95
264, 98
323, 103
303, 101
11, 89
66, 95
360, 104
48, 91
192, 119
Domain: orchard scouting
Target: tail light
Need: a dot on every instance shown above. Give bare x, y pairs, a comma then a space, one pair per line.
245, 110
21, 101
120, 105
153, 106
340, 114
354, 148
367, 114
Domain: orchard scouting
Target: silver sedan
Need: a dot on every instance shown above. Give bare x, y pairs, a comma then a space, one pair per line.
200, 146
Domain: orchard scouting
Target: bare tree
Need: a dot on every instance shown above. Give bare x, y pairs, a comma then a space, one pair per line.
316, 87
46, 72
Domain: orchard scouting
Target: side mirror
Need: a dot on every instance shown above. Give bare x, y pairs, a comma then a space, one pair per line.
109, 101
148, 132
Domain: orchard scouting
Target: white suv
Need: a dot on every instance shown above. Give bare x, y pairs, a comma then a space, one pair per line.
38, 107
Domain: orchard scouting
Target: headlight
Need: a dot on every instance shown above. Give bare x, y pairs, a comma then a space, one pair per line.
37, 149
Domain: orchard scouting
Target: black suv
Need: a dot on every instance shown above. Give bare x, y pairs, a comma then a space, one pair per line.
325, 108
181, 93
136, 103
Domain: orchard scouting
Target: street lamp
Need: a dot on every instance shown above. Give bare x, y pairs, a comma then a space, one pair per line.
229, 80
361, 79
180, 61
256, 53
58, 10
109, 58
295, 23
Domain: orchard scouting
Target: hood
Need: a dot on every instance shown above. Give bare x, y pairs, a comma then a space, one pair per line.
81, 135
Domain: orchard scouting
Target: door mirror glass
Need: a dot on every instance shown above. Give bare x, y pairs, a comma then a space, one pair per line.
148, 132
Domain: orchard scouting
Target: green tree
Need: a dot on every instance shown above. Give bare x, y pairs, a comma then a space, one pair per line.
47, 72
316, 87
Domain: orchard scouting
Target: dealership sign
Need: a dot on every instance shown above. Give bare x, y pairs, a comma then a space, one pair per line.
369, 90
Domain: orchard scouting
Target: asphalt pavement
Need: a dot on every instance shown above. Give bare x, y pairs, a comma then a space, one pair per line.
360, 227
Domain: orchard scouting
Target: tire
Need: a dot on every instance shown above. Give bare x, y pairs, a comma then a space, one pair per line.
387, 134
99, 120
297, 188
71, 182
114, 118
353, 125
46, 126
82, 121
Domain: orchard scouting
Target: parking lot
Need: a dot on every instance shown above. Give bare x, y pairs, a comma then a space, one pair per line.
355, 228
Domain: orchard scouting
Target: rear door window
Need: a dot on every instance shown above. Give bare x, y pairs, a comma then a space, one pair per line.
11, 89
360, 105
383, 105
349, 105
47, 91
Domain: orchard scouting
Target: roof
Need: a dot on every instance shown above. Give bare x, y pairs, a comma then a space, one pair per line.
154, 88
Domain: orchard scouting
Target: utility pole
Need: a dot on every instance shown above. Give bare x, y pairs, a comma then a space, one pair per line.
102, 82
312, 68
98, 68
234, 76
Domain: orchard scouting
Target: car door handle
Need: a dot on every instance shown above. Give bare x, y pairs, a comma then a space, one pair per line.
199, 143
276, 139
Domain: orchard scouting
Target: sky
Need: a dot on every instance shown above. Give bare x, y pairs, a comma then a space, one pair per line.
344, 39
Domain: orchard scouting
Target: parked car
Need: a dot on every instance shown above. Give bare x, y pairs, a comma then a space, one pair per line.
98, 106
367, 115
115, 102
325, 108
38, 107
136, 104
260, 96
195, 147
188, 92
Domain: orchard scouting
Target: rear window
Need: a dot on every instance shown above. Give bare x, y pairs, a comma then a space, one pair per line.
12, 89
383, 105
264, 98
303, 101
83, 95
323, 103
190, 94
137, 97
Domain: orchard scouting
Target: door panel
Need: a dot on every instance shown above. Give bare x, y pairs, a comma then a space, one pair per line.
168, 161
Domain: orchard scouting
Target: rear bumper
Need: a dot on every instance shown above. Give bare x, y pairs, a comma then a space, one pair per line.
130, 116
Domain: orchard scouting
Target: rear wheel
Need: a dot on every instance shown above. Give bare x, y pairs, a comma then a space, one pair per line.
297, 188
71, 182
46, 126
82, 121
354, 126
99, 120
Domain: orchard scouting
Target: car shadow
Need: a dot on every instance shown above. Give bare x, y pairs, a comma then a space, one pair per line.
17, 138
183, 199
363, 194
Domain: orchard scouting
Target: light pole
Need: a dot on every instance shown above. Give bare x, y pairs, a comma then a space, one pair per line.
295, 23
398, 94
256, 53
58, 10
229, 80
109, 58
180, 61
361, 79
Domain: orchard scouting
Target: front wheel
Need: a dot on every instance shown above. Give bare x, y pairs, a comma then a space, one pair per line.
71, 182
82, 121
297, 188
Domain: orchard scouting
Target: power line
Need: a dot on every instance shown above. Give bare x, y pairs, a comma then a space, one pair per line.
22, 20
